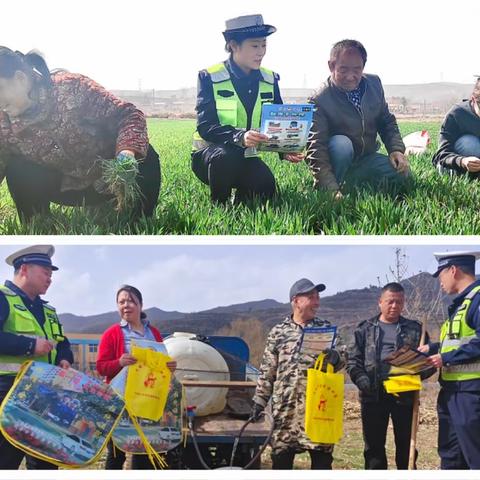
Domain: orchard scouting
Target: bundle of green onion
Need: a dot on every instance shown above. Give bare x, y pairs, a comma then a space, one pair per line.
120, 177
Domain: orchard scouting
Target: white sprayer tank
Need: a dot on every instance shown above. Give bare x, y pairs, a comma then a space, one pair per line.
197, 360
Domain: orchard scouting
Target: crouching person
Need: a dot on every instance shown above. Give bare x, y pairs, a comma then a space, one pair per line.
459, 146
283, 378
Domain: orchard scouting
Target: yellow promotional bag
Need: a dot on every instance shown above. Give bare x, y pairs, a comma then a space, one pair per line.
402, 383
324, 404
148, 384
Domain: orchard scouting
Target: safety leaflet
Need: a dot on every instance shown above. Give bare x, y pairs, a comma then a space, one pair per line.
317, 339
287, 127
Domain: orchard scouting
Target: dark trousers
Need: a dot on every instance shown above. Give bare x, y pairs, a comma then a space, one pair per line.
116, 459
224, 167
34, 186
320, 460
375, 417
11, 457
459, 430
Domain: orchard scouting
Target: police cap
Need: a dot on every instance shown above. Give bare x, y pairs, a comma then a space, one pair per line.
247, 26
36, 254
461, 259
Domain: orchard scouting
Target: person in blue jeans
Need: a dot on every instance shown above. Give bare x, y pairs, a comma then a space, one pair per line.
351, 112
459, 145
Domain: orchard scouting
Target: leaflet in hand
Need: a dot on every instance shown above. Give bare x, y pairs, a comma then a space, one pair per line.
407, 361
317, 339
287, 126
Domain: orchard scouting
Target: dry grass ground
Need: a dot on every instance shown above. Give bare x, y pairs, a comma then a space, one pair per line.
348, 454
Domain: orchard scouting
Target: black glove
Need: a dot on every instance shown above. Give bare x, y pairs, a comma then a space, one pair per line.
332, 357
363, 384
256, 412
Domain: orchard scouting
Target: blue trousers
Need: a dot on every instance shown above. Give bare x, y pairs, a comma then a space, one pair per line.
459, 430
468, 146
374, 168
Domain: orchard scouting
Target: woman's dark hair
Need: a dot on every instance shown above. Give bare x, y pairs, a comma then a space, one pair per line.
32, 64
135, 295
239, 39
348, 44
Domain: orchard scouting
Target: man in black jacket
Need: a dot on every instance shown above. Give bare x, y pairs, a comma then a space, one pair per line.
350, 111
374, 339
459, 146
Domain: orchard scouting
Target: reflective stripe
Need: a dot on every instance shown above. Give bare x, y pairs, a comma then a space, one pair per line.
457, 342
5, 290
220, 76
471, 367
267, 75
10, 367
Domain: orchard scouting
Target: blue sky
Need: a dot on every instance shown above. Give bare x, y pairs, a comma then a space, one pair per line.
197, 277
162, 45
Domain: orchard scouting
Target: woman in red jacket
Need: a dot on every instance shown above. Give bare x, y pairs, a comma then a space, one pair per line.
114, 354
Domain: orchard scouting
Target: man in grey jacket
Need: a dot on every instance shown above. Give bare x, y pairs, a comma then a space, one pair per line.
350, 111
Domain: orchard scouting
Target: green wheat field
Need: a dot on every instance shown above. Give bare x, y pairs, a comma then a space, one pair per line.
432, 204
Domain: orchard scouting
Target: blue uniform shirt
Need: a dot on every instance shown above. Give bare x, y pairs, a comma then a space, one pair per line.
129, 334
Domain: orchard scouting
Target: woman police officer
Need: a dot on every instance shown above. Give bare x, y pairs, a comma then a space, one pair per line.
229, 102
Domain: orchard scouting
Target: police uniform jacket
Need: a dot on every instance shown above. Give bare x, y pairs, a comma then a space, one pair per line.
468, 352
246, 86
11, 344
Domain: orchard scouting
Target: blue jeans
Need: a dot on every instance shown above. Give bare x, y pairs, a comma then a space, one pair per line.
468, 146
372, 168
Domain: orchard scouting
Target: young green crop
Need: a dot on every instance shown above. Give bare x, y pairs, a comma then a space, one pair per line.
433, 204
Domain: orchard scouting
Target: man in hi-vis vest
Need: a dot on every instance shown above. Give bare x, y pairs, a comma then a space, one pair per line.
229, 103
29, 330
458, 358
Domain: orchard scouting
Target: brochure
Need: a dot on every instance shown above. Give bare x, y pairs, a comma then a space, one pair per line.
317, 339
287, 126
408, 361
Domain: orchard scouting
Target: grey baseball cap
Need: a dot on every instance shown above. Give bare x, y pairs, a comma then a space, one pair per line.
304, 285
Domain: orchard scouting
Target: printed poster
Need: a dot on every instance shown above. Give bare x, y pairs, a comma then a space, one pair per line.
287, 126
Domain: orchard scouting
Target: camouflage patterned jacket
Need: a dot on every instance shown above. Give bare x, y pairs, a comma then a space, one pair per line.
365, 349
283, 381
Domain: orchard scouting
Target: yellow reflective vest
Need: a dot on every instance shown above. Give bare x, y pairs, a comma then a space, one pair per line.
230, 110
21, 321
456, 332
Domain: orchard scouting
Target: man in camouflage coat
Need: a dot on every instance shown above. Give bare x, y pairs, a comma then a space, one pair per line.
373, 340
283, 380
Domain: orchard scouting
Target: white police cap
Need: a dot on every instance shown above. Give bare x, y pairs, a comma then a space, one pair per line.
36, 254
460, 258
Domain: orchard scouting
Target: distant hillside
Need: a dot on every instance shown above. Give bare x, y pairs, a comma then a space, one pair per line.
441, 92
345, 309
